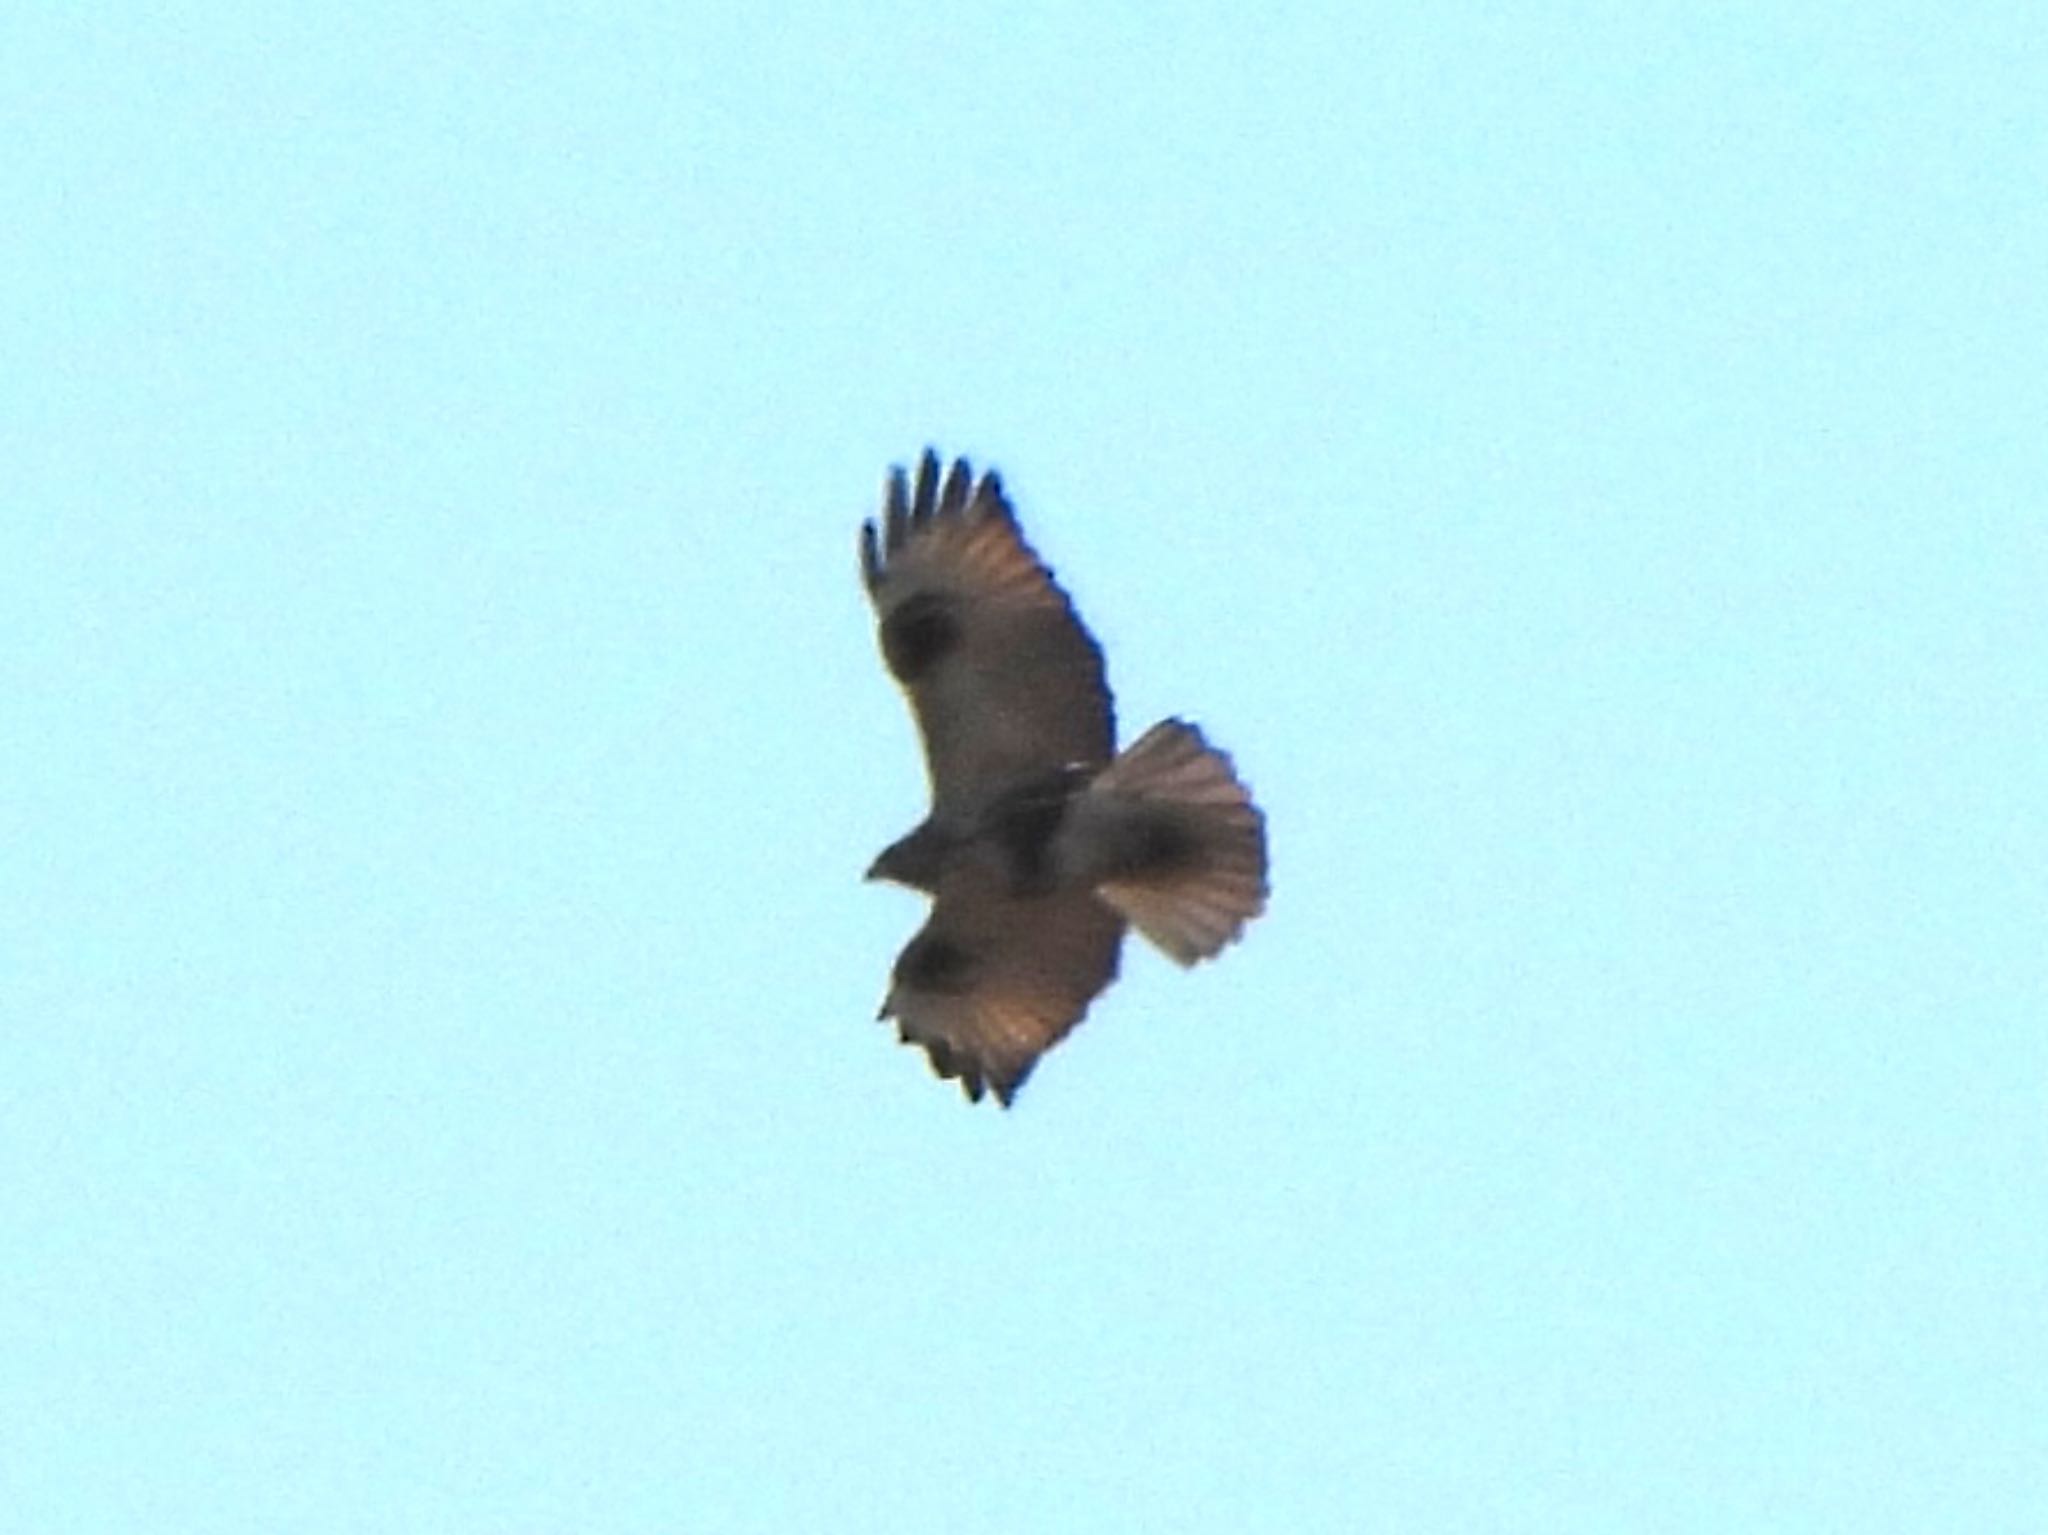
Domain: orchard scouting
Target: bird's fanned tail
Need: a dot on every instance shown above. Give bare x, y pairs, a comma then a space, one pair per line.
1182, 846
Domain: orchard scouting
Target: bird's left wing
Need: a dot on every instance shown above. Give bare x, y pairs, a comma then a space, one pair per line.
1005, 681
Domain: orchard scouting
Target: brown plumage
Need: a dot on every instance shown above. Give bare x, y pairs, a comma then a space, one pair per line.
1042, 841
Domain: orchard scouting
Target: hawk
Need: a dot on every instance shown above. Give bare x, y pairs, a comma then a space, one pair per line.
1043, 841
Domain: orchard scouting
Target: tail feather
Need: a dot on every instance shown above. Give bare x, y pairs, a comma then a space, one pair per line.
1186, 864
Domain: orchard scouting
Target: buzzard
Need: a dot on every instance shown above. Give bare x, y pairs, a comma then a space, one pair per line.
1043, 841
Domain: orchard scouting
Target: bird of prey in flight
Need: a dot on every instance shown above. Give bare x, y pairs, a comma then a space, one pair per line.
1043, 842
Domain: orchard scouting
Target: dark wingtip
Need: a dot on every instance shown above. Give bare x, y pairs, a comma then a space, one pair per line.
989, 500
895, 511
870, 555
926, 499
959, 485
1008, 1089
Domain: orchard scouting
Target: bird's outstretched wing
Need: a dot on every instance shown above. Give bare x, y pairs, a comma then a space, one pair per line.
992, 981
1004, 680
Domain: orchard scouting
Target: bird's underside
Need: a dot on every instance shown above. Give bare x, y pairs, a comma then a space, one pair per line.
1042, 843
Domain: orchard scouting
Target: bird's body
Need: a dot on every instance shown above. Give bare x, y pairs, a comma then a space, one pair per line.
1042, 843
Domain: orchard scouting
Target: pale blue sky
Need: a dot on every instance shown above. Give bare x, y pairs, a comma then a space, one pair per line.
1585, 461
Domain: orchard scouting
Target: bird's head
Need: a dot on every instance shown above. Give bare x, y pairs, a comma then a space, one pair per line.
915, 860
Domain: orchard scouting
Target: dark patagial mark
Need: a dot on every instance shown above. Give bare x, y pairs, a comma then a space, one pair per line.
934, 964
918, 635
